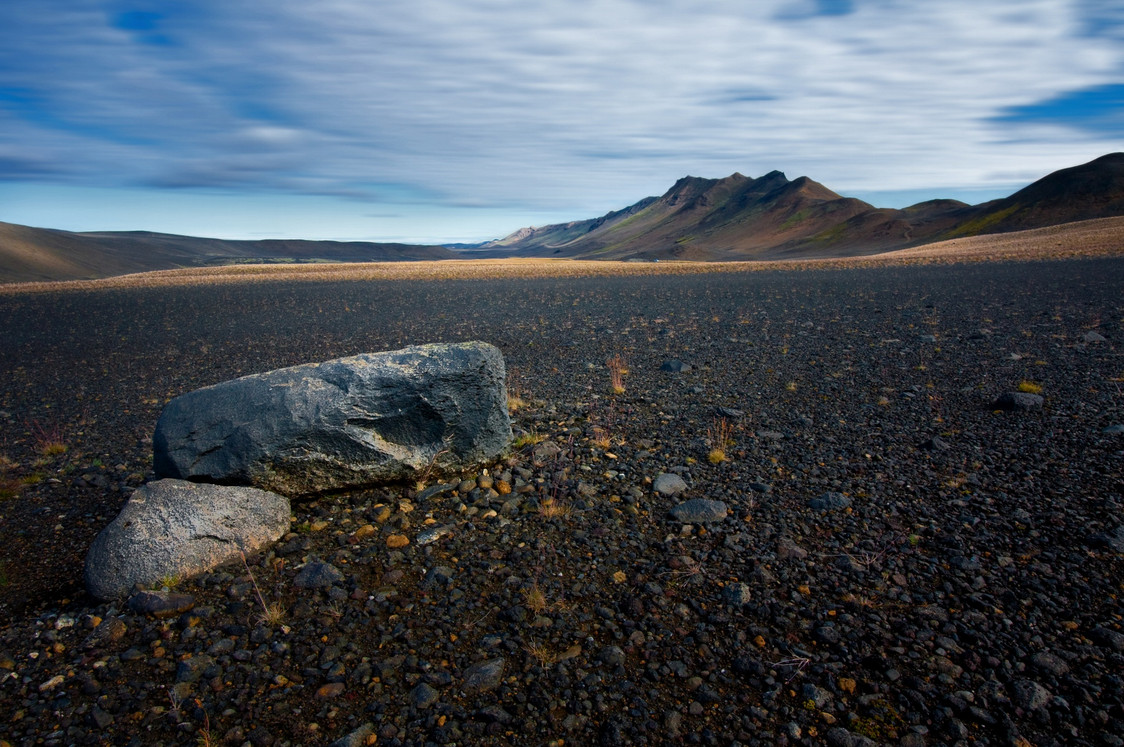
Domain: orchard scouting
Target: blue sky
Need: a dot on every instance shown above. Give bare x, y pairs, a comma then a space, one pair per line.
447, 120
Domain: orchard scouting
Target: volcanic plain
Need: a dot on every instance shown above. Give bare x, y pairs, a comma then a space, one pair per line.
899, 560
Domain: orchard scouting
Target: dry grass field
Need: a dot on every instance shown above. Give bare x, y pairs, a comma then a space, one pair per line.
1092, 238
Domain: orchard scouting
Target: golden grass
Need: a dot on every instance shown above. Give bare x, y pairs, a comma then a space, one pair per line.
1092, 238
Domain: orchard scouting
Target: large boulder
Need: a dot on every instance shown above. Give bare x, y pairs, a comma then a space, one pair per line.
173, 528
346, 423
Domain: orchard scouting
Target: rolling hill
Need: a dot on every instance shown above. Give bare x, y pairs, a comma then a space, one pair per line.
33, 254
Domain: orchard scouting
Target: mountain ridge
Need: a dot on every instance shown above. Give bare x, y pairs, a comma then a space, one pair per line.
772, 217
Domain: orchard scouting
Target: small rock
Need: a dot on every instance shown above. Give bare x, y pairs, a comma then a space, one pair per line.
109, 630
317, 574
1108, 638
1017, 402
699, 511
675, 366
1093, 337
423, 696
427, 536
736, 595
395, 541
669, 484
830, 501
1050, 663
936, 443
191, 669
160, 604
484, 676
330, 690
787, 549
1030, 696
1111, 540
358, 738
544, 452
1114, 429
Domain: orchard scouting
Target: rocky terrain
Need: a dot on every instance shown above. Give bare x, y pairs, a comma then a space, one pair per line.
771, 507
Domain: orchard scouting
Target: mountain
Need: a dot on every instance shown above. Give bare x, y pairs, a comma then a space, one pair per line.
32, 254
740, 218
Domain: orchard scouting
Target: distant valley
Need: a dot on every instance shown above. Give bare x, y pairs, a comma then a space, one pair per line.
732, 219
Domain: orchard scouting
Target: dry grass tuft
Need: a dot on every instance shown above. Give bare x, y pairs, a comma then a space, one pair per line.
617, 370
542, 653
555, 509
720, 436
1029, 387
535, 599
601, 437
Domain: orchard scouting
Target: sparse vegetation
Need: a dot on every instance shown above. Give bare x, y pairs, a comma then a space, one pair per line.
617, 371
1029, 387
48, 439
534, 598
527, 439
551, 508
272, 613
720, 437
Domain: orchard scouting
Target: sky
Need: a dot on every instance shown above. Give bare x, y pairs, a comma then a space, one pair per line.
431, 121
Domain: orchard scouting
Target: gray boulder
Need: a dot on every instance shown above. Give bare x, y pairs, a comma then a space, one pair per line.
179, 529
345, 423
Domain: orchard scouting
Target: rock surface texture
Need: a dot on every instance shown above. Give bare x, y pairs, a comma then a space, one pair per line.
173, 528
345, 423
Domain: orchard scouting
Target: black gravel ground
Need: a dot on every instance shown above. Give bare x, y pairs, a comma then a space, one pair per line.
889, 557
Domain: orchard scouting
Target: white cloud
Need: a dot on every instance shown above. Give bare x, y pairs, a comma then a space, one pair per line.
587, 104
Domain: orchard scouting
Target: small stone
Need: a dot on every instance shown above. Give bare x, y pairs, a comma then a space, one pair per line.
395, 541
191, 669
109, 630
503, 487
432, 534
484, 676
847, 685
787, 549
1113, 430
361, 533
317, 574
669, 484
160, 604
361, 737
1018, 402
936, 443
1030, 696
675, 366
423, 696
1050, 663
330, 690
736, 595
1093, 337
830, 501
699, 511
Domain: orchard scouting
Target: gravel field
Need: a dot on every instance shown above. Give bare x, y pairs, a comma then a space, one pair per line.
820, 529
